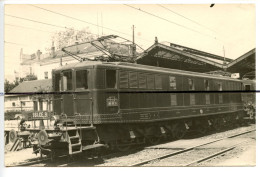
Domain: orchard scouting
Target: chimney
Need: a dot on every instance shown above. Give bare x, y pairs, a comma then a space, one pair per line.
38, 54
21, 55
52, 50
156, 40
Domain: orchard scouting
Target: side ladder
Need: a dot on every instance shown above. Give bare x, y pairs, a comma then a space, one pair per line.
74, 140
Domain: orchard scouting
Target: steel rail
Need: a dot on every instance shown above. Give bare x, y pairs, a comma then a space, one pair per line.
215, 154
187, 149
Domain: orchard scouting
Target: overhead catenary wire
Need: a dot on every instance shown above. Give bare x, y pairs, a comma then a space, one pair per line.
186, 18
169, 21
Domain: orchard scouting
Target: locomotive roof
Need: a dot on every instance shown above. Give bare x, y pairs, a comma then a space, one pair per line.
139, 67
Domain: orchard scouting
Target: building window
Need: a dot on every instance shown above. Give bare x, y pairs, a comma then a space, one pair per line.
23, 103
110, 78
142, 81
173, 99
82, 79
13, 104
46, 75
172, 81
158, 82
192, 99
206, 85
207, 98
191, 84
123, 79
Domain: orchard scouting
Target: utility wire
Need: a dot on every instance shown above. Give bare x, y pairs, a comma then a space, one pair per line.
27, 28
13, 43
168, 20
185, 17
77, 19
35, 21
85, 21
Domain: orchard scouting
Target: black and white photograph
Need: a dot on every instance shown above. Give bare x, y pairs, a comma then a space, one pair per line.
128, 85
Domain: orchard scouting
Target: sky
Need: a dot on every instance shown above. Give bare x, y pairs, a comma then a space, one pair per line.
223, 29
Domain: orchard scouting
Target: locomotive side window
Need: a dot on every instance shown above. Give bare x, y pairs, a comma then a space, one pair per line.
173, 99
142, 81
133, 83
191, 84
219, 86
172, 81
110, 78
206, 85
67, 80
247, 87
207, 96
82, 79
150, 82
220, 98
158, 82
192, 99
123, 79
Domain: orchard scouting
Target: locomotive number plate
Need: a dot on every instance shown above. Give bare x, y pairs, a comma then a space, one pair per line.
40, 114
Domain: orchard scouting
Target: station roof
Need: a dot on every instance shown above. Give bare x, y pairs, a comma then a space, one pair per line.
184, 58
243, 64
33, 86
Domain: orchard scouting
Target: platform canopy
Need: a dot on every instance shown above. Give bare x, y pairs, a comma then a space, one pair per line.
245, 64
175, 56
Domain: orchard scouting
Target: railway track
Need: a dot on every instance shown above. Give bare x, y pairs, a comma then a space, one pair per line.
193, 148
60, 162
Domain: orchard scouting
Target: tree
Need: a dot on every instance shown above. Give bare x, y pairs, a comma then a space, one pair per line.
69, 36
29, 77
10, 85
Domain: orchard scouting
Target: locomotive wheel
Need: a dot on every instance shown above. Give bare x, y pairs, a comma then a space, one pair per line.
179, 132
217, 124
42, 137
122, 146
153, 140
12, 136
202, 129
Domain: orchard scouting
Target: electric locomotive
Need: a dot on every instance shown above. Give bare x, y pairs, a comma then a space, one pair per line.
119, 104
115, 104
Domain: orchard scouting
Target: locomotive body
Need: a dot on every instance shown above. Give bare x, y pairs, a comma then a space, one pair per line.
128, 103
120, 104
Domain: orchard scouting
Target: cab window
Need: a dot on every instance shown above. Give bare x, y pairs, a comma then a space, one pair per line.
67, 80
82, 79
57, 85
110, 78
